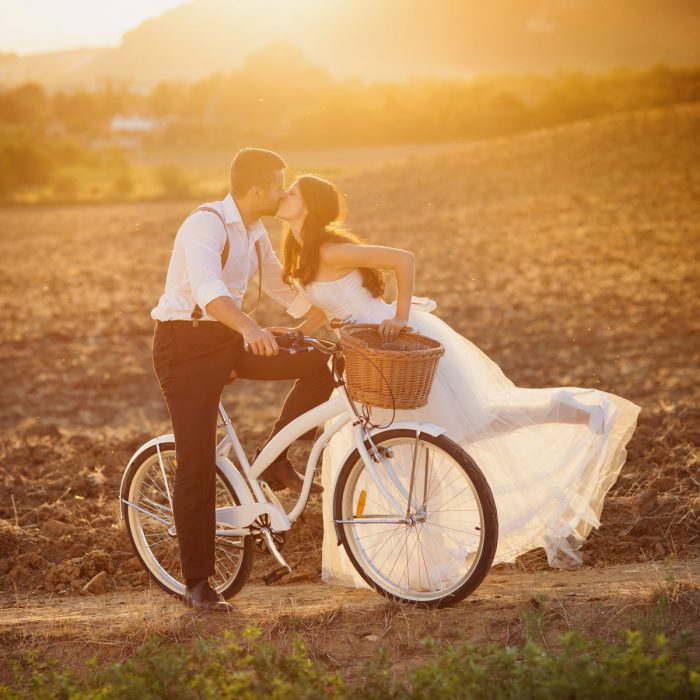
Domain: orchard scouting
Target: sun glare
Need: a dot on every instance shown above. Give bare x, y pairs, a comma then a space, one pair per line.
38, 26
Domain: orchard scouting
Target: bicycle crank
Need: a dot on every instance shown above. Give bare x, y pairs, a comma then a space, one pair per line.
262, 533
263, 521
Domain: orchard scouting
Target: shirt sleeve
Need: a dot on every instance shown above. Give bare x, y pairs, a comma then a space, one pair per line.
203, 240
274, 286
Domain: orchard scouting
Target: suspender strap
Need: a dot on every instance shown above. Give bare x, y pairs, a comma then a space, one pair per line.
197, 311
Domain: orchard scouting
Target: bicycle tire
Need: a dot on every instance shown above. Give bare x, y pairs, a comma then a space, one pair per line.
227, 586
344, 508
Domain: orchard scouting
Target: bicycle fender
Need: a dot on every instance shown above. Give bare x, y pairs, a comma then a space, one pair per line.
230, 472
430, 428
146, 445
235, 478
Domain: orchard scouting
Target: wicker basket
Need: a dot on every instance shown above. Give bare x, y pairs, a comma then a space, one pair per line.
373, 366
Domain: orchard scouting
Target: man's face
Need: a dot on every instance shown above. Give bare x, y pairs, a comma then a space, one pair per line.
273, 195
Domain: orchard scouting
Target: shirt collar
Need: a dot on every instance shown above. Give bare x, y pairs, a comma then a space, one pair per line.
231, 213
233, 216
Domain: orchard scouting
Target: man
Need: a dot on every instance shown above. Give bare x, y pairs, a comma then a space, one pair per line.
198, 346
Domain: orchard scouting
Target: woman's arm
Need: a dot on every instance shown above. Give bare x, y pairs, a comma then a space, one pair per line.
402, 262
315, 318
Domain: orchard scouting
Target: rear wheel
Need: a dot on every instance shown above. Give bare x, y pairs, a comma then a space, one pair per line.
439, 550
149, 521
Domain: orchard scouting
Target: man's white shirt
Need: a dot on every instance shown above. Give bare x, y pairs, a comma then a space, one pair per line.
195, 275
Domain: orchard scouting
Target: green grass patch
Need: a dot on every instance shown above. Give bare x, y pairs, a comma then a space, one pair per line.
638, 666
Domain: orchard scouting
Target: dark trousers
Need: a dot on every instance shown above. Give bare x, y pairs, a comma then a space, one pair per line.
193, 363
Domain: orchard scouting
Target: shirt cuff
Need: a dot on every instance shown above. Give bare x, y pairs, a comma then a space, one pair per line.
298, 307
211, 290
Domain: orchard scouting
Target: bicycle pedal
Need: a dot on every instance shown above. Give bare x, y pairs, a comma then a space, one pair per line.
275, 575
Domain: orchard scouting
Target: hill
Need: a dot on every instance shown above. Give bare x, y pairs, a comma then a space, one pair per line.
392, 39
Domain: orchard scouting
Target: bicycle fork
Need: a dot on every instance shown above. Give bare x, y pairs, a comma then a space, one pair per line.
371, 458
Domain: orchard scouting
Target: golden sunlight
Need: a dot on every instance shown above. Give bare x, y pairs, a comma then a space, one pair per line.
503, 194
38, 26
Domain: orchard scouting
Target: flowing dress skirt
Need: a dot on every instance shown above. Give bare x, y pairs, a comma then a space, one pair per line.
549, 454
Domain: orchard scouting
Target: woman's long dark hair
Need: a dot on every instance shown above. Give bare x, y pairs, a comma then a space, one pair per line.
322, 224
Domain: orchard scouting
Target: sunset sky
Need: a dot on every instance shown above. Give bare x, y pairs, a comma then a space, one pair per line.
35, 26
143, 41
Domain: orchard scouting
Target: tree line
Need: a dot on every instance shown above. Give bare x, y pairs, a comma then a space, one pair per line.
279, 100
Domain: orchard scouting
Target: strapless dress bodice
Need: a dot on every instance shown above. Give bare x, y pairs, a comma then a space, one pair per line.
347, 298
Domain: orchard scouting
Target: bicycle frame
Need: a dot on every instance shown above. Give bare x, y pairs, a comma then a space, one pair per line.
339, 407
261, 513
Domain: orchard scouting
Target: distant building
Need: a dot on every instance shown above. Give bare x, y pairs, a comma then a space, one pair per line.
127, 131
133, 124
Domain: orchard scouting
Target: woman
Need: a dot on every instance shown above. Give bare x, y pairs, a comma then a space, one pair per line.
550, 455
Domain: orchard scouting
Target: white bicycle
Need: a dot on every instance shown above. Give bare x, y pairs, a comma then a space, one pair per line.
411, 508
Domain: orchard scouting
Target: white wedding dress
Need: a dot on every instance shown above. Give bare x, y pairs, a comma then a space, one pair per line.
549, 455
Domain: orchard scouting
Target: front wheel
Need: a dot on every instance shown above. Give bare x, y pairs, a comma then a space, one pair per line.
146, 506
434, 552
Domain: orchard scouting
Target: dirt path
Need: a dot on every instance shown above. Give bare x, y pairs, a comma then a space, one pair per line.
344, 627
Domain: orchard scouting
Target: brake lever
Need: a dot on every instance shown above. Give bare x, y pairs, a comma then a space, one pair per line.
292, 342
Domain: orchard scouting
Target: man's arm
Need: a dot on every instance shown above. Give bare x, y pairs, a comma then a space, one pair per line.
261, 341
203, 240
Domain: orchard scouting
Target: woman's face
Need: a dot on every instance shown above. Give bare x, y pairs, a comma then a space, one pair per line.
292, 208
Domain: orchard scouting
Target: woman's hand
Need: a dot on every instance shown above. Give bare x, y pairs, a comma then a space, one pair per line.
389, 328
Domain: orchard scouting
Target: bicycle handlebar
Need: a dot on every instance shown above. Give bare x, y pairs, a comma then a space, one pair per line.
295, 342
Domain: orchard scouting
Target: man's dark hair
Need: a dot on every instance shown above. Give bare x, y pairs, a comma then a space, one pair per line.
253, 166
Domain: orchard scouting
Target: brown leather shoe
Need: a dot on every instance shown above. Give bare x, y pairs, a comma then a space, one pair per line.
203, 597
281, 475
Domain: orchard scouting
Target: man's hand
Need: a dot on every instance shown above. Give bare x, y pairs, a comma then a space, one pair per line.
261, 341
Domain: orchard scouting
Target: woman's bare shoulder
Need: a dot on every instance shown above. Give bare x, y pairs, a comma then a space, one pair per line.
334, 252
